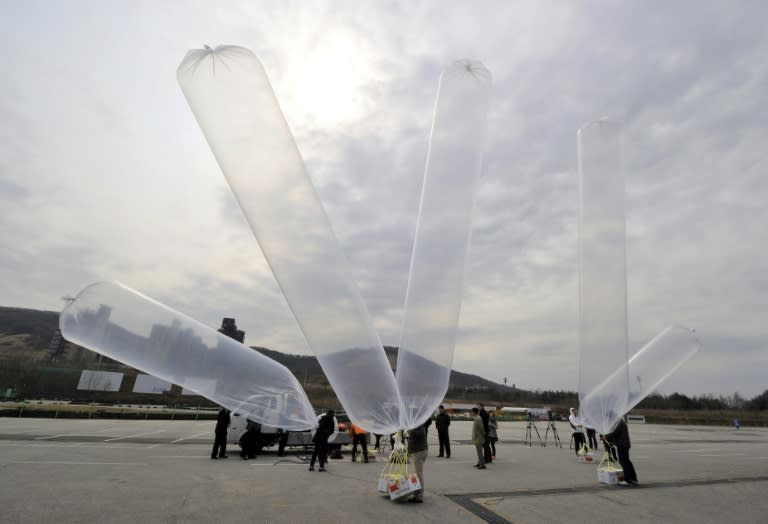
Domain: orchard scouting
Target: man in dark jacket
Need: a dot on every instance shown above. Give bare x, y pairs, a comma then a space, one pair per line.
220, 442
417, 454
487, 445
442, 421
251, 441
326, 426
620, 438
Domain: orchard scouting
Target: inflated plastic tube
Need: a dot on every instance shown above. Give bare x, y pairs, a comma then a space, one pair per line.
233, 102
441, 244
602, 273
112, 319
647, 370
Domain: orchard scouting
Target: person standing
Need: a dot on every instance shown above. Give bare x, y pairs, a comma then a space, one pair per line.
486, 419
442, 421
220, 440
591, 436
578, 434
326, 426
359, 436
282, 442
620, 438
493, 435
417, 452
478, 438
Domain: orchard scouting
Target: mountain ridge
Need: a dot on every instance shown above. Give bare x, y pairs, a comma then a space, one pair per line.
25, 335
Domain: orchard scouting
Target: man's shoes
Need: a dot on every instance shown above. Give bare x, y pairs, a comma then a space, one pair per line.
447, 456
214, 458
623, 483
417, 500
311, 468
476, 466
440, 456
633, 482
482, 466
321, 468
223, 456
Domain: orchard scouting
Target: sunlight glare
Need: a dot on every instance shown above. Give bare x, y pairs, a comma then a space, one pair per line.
326, 83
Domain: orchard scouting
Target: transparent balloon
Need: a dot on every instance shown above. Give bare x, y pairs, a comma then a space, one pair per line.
233, 102
647, 370
602, 273
114, 320
610, 384
441, 244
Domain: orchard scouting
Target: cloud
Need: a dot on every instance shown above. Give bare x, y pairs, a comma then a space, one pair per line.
104, 173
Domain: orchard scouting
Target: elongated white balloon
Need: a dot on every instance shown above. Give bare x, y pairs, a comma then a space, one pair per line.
441, 244
233, 102
112, 319
647, 370
602, 273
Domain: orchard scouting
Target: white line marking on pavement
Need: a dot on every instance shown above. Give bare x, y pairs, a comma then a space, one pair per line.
137, 435
282, 463
51, 436
153, 446
183, 457
82, 463
725, 455
66, 445
187, 438
108, 429
697, 450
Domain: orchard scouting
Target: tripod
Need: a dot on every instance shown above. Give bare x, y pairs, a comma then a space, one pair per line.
555, 436
528, 436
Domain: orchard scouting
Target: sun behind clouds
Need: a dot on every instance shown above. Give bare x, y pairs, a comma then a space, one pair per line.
324, 80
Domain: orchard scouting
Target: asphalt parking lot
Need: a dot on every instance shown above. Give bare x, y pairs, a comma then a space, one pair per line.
55, 470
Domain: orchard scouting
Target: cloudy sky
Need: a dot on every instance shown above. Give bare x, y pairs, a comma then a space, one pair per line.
105, 175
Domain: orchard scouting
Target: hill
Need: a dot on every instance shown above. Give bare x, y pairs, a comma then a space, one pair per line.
28, 366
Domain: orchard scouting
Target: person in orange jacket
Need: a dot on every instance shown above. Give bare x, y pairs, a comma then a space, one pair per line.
359, 436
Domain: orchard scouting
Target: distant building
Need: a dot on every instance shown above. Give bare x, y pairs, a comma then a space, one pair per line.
229, 328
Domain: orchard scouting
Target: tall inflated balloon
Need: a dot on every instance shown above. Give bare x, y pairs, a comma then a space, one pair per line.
233, 102
602, 273
124, 325
441, 244
610, 384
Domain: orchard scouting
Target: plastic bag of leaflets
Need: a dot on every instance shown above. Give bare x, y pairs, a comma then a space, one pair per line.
609, 471
584, 455
395, 479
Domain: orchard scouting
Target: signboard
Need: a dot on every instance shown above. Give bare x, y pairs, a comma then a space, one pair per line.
100, 381
150, 384
200, 386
